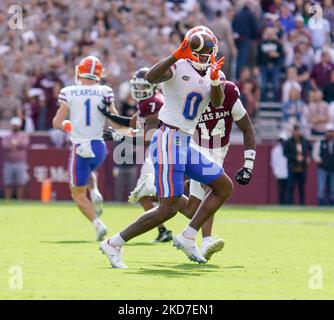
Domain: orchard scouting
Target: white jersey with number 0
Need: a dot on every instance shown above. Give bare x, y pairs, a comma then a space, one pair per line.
82, 101
187, 94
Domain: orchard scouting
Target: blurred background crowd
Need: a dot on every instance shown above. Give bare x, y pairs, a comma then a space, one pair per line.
276, 51
273, 50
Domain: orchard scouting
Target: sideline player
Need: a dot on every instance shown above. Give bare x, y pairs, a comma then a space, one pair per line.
190, 80
149, 102
85, 125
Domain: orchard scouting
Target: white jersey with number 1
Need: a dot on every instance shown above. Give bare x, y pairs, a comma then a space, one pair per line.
187, 94
83, 101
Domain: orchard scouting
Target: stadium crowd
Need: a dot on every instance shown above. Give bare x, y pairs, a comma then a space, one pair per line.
275, 50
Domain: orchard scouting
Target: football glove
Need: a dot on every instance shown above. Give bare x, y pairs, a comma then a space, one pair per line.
215, 67
67, 126
243, 176
113, 135
184, 52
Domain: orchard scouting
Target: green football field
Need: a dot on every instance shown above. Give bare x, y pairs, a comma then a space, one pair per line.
49, 252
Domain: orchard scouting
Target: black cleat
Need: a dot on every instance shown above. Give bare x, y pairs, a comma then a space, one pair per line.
164, 236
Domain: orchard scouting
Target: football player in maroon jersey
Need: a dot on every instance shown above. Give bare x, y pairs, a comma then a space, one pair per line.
213, 138
149, 102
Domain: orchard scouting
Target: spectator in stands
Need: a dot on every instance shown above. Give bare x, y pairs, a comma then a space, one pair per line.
301, 29
15, 147
303, 74
222, 27
297, 150
328, 11
320, 74
323, 155
10, 107
294, 112
286, 18
319, 114
320, 30
32, 108
249, 75
289, 83
307, 52
279, 167
249, 99
245, 26
270, 58
329, 89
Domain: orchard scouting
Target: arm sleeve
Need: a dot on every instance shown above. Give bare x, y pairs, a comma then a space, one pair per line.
121, 120
238, 110
173, 69
62, 97
108, 95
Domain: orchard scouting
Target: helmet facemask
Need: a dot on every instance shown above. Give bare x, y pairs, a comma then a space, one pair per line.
141, 89
204, 59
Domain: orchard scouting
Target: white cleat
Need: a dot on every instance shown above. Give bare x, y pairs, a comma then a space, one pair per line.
146, 188
189, 247
97, 200
101, 231
211, 247
114, 255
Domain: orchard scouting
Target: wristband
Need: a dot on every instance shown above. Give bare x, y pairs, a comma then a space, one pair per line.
249, 158
215, 83
249, 154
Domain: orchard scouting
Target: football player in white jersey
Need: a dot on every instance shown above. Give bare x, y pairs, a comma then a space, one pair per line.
190, 79
80, 103
149, 102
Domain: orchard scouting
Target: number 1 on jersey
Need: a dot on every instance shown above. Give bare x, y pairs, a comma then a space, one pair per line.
87, 104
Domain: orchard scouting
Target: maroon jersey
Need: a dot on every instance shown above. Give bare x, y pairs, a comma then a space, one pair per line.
215, 124
150, 106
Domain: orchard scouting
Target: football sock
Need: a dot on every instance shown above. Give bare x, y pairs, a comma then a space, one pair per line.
97, 222
205, 240
190, 232
116, 240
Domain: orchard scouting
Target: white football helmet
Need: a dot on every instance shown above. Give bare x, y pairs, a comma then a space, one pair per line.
205, 58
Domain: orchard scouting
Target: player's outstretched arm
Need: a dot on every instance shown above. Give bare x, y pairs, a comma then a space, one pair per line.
217, 92
161, 72
246, 126
244, 175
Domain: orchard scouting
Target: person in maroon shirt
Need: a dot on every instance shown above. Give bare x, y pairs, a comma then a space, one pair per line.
212, 136
320, 75
15, 147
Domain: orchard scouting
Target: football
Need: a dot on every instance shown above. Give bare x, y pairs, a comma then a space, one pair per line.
201, 42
